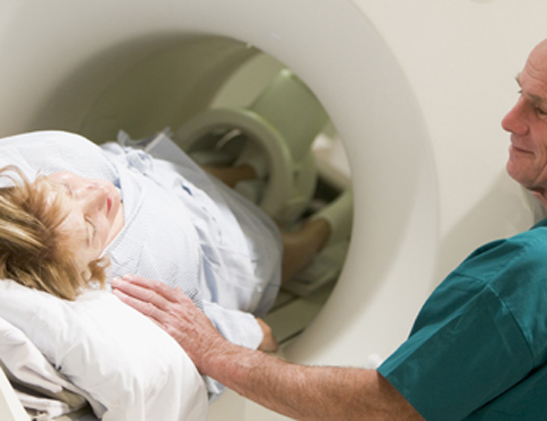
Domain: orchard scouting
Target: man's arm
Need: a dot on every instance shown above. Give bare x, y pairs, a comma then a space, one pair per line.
310, 393
296, 391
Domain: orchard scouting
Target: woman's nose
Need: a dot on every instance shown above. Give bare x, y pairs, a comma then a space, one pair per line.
515, 120
92, 197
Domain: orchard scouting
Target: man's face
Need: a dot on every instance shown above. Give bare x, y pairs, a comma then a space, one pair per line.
527, 123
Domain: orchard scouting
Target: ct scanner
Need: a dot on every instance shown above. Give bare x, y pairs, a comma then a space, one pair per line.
415, 89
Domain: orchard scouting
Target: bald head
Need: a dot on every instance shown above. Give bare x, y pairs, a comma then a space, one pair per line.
537, 60
527, 123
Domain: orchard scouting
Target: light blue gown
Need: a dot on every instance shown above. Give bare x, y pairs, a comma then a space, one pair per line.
181, 226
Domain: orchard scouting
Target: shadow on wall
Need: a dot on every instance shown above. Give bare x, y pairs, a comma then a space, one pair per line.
499, 214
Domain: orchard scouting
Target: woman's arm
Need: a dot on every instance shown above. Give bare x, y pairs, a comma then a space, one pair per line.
297, 391
269, 343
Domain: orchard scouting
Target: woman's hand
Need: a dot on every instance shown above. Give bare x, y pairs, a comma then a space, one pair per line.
269, 343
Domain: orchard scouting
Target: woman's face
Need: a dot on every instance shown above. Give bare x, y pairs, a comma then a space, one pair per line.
95, 212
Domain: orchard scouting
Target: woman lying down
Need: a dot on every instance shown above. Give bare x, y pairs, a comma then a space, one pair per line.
74, 214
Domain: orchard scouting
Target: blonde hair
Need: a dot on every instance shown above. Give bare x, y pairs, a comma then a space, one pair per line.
33, 250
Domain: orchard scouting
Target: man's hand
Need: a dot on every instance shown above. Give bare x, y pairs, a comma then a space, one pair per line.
173, 312
296, 391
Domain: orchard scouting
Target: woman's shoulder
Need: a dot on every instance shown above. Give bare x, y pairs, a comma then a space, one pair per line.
45, 137
50, 151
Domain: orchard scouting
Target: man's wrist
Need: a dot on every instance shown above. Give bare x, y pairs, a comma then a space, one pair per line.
217, 356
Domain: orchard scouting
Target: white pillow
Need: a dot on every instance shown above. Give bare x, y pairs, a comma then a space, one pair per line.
124, 361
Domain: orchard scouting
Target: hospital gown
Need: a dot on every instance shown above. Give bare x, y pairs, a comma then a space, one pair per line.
478, 349
220, 249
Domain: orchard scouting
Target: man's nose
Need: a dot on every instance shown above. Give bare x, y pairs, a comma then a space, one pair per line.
515, 120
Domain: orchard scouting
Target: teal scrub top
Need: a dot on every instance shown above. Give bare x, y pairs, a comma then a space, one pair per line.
478, 348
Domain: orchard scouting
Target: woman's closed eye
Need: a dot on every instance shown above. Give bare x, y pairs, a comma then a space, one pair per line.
68, 190
92, 232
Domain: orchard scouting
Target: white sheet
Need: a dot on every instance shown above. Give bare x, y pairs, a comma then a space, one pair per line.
26, 365
131, 369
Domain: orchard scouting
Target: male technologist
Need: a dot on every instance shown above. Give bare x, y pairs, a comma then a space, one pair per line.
478, 349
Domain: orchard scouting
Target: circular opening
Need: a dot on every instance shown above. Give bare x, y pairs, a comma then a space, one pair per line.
97, 85
172, 83
83, 52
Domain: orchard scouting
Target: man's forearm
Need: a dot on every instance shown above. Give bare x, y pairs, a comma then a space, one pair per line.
308, 393
300, 392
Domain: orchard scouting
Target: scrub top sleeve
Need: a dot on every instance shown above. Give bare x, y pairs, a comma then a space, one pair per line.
468, 352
